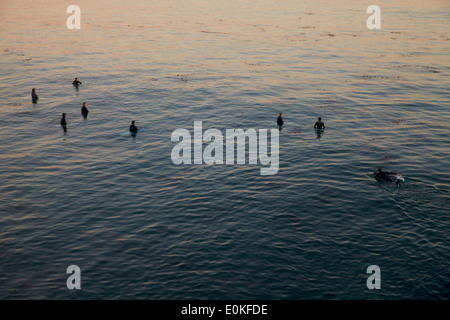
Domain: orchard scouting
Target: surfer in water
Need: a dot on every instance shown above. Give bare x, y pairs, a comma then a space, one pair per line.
34, 95
133, 128
76, 82
319, 124
381, 175
280, 121
84, 110
64, 122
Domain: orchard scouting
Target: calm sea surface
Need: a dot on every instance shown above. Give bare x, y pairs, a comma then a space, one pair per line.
140, 227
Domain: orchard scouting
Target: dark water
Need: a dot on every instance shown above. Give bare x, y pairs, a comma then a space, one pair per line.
140, 227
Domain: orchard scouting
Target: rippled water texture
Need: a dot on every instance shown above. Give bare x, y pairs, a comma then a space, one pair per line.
140, 227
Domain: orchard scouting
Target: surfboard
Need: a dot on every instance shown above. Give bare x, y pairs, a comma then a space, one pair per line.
130, 133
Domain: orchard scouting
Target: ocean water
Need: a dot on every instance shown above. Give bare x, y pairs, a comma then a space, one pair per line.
140, 227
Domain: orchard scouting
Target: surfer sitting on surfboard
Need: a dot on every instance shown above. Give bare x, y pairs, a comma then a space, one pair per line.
63, 120
34, 95
319, 124
280, 120
133, 128
84, 110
